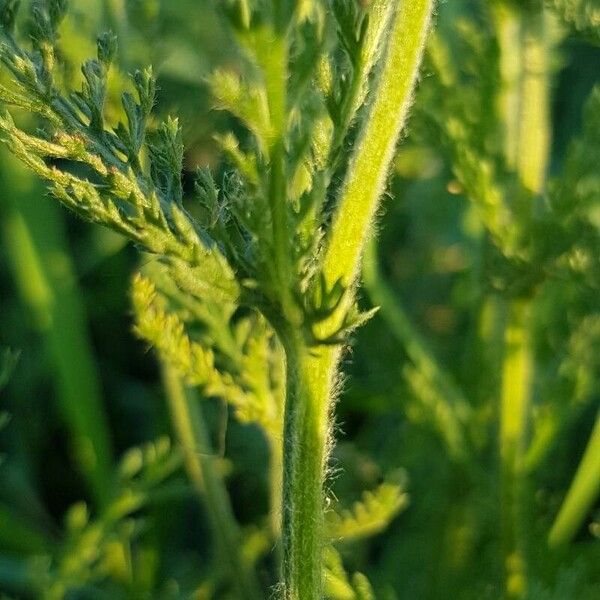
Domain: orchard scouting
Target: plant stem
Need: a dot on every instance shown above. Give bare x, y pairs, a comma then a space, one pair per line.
189, 426
368, 170
275, 68
311, 372
533, 148
525, 47
517, 373
525, 40
582, 494
311, 379
508, 31
276, 484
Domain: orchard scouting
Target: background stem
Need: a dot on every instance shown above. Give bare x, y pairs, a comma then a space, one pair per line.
582, 494
517, 373
525, 51
454, 406
189, 426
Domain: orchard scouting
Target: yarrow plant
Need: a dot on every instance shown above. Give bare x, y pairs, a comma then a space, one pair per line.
249, 297
282, 235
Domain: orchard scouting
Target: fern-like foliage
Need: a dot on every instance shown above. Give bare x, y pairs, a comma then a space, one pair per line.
371, 515
532, 238
113, 184
97, 549
255, 239
338, 586
582, 15
236, 360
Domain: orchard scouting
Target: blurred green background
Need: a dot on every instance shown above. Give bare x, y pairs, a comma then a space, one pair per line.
83, 390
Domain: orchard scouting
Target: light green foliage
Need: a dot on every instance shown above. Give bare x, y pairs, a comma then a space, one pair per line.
249, 289
338, 586
101, 548
130, 180
369, 516
278, 235
237, 361
583, 15
143, 203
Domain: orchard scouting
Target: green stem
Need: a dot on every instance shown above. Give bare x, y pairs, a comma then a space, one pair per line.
508, 31
368, 171
188, 423
276, 75
312, 372
276, 484
525, 40
525, 48
517, 373
533, 148
311, 381
582, 494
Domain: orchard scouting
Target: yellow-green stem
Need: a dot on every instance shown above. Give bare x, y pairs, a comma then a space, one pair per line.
312, 372
533, 149
525, 40
525, 48
369, 168
188, 423
517, 373
582, 494
276, 484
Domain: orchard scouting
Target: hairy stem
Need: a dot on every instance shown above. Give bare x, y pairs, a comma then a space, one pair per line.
368, 170
275, 66
188, 423
276, 484
311, 379
582, 494
312, 371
